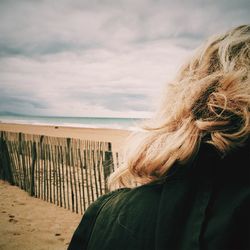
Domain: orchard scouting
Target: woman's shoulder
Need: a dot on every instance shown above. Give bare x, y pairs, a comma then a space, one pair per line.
83, 231
117, 202
109, 195
96, 206
128, 195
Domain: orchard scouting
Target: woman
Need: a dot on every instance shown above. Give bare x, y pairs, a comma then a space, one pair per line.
185, 181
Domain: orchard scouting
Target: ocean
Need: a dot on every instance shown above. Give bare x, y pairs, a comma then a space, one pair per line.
89, 122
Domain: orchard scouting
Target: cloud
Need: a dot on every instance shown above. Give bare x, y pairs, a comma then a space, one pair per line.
101, 57
115, 81
42, 27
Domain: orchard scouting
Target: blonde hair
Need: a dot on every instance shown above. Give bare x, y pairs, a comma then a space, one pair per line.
208, 101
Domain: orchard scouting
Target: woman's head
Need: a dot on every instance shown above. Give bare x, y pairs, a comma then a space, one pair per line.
208, 101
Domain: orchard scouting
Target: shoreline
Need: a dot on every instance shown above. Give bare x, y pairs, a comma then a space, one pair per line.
116, 136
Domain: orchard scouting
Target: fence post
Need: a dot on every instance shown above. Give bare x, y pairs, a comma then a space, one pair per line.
69, 161
40, 168
108, 164
34, 158
1, 158
6, 171
22, 160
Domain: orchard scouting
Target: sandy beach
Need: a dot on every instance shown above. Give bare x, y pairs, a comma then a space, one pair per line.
30, 223
115, 136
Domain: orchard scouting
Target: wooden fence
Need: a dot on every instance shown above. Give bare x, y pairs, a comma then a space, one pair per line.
70, 173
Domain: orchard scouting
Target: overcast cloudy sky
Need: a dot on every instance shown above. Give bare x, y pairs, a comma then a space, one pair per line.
101, 58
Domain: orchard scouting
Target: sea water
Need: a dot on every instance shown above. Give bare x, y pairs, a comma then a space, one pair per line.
89, 122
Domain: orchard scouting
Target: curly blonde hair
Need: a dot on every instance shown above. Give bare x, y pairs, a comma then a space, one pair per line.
207, 102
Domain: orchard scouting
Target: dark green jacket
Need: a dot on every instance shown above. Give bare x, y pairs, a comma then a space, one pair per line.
205, 205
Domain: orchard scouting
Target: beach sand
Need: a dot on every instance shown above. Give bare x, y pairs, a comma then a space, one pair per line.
115, 136
29, 223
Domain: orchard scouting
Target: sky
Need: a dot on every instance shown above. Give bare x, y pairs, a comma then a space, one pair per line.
101, 58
